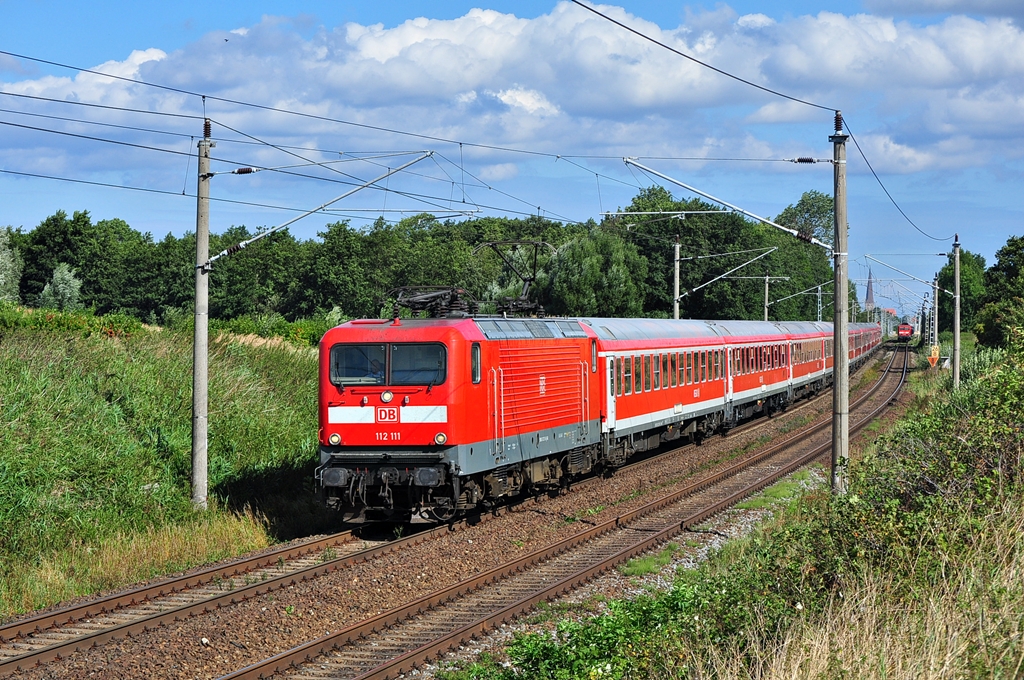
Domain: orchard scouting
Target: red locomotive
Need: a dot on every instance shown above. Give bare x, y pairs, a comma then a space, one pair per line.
904, 332
433, 416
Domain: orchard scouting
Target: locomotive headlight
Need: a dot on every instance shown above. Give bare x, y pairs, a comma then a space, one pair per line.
440, 438
334, 439
386, 396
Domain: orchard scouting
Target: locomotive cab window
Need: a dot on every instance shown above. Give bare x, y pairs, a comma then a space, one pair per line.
417, 364
475, 360
358, 364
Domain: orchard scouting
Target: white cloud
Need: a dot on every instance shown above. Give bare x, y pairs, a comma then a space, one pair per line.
499, 171
945, 94
755, 21
531, 101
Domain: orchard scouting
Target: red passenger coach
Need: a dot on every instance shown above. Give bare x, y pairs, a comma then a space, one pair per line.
433, 416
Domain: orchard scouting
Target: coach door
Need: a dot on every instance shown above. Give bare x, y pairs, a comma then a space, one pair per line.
730, 365
609, 423
496, 413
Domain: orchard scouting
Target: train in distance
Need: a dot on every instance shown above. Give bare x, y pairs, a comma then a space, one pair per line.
431, 417
904, 332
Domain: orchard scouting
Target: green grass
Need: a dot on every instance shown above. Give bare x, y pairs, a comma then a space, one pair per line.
97, 453
650, 564
782, 492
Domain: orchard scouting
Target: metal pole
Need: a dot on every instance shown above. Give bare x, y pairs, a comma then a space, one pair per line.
956, 311
819, 303
675, 296
200, 347
935, 310
840, 340
766, 296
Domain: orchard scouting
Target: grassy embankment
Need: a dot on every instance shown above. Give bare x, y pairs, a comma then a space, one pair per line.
95, 453
917, 572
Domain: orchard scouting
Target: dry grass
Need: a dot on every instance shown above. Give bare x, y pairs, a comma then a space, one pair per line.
970, 624
124, 559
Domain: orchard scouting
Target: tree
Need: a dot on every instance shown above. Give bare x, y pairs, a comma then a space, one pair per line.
1006, 277
10, 268
109, 256
63, 291
813, 215
972, 290
994, 320
1004, 295
598, 274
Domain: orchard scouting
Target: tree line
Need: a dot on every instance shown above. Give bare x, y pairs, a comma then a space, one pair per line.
622, 266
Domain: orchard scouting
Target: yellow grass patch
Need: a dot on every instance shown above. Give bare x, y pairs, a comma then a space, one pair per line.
126, 559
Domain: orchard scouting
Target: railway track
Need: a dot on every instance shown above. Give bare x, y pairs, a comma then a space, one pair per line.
406, 637
55, 635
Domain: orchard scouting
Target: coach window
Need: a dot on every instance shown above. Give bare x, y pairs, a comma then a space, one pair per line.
618, 376
627, 376
593, 356
647, 373
475, 361
664, 371
672, 367
657, 372
637, 374
688, 360
775, 356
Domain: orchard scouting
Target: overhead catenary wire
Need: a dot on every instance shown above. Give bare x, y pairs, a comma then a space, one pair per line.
94, 139
879, 180
777, 93
699, 62
329, 119
472, 144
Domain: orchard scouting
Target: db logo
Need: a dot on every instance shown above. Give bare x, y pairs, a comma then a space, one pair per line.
387, 414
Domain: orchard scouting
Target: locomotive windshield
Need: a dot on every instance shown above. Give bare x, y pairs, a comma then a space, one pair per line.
358, 364
418, 364
395, 364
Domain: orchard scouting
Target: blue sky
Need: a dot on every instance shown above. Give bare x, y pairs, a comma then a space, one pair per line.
933, 90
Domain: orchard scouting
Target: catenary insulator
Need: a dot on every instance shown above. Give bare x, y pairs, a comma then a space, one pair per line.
839, 122
805, 159
207, 128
